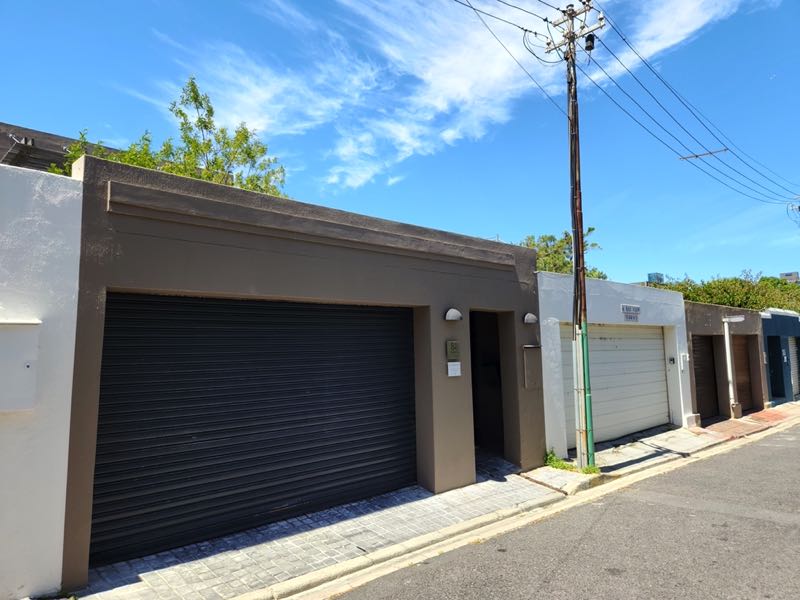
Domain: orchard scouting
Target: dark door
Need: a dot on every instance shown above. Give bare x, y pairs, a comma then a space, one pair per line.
487, 392
221, 415
705, 377
741, 361
775, 360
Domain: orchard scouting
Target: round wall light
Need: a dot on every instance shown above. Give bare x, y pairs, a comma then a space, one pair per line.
453, 314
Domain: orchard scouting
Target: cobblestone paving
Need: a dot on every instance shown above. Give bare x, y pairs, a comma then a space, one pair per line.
255, 559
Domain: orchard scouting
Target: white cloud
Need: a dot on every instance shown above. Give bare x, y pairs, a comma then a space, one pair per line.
399, 79
394, 180
272, 99
655, 27
283, 13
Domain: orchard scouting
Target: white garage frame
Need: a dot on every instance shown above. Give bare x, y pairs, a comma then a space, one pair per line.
656, 308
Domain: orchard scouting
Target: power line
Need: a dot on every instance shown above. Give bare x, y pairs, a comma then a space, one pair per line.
697, 114
668, 132
548, 5
760, 198
732, 144
689, 133
488, 14
525, 10
519, 64
667, 145
529, 46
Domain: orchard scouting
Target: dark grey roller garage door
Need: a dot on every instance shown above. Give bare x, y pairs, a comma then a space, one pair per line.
220, 415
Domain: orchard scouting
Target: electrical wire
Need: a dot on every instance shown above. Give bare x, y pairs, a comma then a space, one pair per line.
488, 14
689, 133
672, 135
701, 118
531, 48
552, 37
525, 10
667, 145
519, 64
527, 43
548, 5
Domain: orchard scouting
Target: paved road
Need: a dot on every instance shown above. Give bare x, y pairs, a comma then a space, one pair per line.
725, 527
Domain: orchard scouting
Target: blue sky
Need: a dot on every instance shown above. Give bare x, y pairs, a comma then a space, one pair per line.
410, 110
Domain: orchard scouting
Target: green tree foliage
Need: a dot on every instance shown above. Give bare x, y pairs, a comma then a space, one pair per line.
554, 254
204, 150
747, 291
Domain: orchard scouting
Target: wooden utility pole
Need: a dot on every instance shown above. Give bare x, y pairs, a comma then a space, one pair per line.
580, 349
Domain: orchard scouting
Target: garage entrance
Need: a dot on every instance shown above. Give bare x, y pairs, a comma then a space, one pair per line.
487, 387
705, 376
775, 361
794, 362
629, 380
220, 415
741, 361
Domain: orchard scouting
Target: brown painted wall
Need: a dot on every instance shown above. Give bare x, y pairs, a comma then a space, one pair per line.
706, 319
145, 231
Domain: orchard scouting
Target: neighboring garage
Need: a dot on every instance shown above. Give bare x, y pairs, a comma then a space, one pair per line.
244, 359
709, 351
782, 347
220, 415
629, 379
637, 357
794, 361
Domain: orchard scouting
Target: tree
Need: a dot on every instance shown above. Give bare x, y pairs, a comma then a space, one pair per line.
554, 254
747, 291
204, 151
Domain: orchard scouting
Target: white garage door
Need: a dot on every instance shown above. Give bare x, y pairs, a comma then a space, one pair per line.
629, 382
794, 363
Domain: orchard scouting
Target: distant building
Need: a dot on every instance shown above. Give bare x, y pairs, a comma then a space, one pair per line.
792, 277
655, 278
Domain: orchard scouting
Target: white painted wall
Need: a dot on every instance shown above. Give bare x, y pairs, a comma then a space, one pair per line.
658, 307
40, 220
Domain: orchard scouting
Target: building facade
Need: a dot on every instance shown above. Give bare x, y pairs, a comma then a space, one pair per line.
782, 349
638, 359
243, 359
728, 377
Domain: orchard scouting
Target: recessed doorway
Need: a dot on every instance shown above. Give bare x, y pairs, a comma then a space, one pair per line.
487, 385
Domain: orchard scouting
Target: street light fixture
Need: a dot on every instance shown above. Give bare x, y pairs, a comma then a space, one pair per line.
726, 327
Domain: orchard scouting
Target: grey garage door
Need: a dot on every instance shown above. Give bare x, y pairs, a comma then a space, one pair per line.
220, 415
794, 365
629, 380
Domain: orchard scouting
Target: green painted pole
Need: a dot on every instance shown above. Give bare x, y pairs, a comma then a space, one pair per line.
587, 394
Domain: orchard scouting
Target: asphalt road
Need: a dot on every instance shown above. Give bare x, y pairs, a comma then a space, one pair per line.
725, 527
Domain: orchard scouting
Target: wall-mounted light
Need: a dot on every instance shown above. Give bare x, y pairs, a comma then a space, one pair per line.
453, 314
530, 319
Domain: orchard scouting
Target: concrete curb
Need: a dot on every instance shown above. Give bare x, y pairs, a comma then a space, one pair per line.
315, 579
580, 483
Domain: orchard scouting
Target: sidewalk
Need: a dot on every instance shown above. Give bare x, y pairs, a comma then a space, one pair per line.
259, 558
390, 525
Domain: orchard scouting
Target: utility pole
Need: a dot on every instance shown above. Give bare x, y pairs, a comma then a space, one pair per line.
580, 348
